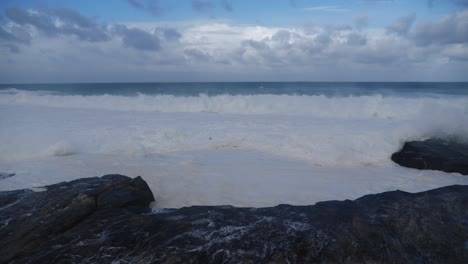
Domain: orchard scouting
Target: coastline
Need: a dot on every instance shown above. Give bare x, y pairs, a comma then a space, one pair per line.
235, 176
107, 219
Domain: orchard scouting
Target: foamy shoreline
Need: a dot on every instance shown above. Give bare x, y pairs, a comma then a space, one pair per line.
244, 150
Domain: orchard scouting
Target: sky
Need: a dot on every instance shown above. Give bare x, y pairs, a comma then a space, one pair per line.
49, 41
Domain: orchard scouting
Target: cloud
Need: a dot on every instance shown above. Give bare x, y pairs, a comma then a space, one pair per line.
361, 21
456, 52
326, 9
135, 3
282, 37
5, 35
202, 6
169, 34
318, 45
430, 3
219, 49
15, 35
151, 6
12, 36
138, 39
71, 17
11, 47
462, 3
60, 22
66, 22
450, 30
75, 24
259, 53
42, 22
197, 55
226, 4
383, 52
356, 39
402, 25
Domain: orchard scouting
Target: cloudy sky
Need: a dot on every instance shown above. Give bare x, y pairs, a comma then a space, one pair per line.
233, 40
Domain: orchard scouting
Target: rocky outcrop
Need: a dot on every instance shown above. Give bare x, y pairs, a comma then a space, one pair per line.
4, 175
107, 220
30, 221
434, 154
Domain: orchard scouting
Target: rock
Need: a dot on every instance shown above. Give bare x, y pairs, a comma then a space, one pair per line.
4, 175
434, 154
84, 221
28, 219
134, 193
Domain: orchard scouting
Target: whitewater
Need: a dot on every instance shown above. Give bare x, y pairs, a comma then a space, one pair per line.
241, 147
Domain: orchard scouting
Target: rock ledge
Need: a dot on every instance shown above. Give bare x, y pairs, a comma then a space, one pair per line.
434, 154
107, 220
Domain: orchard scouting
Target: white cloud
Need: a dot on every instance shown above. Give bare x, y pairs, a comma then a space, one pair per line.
402, 25
327, 9
456, 51
451, 29
203, 50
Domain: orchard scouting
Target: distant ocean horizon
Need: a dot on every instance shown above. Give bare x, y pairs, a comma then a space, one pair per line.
248, 88
239, 143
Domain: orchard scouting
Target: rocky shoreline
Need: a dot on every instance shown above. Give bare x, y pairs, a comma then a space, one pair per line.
434, 154
107, 220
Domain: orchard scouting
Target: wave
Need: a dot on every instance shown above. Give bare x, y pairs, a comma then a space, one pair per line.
254, 148
327, 131
374, 106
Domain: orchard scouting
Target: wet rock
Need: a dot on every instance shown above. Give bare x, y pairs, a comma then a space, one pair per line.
72, 223
4, 175
434, 154
133, 193
28, 219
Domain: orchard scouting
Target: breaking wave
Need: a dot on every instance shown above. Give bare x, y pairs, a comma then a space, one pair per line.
320, 106
329, 131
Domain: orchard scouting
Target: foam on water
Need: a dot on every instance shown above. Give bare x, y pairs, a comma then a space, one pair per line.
323, 130
53, 137
319, 106
231, 177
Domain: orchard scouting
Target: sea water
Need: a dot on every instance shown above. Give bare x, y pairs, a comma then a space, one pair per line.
244, 144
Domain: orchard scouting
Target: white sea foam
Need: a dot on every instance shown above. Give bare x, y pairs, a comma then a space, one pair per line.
93, 135
61, 148
324, 130
320, 106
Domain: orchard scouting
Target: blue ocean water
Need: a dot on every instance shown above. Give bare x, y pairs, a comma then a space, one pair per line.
330, 89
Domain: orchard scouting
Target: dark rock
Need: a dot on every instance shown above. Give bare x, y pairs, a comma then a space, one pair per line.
434, 154
72, 223
4, 175
29, 220
133, 193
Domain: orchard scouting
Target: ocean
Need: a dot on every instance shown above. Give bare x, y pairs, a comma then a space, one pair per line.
242, 144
